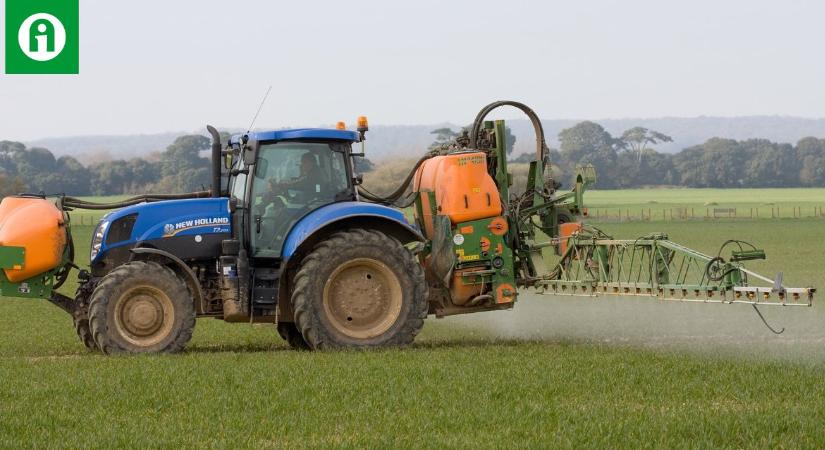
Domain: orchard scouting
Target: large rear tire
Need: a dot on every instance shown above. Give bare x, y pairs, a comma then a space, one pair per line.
359, 289
141, 307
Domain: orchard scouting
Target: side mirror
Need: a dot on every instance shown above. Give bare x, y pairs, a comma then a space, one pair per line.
249, 150
228, 159
359, 179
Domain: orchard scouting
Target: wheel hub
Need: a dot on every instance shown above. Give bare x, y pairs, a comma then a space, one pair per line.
144, 315
362, 298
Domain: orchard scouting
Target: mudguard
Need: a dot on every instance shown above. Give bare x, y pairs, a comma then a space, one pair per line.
364, 214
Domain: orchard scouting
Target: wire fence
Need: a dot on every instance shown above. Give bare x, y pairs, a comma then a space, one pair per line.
704, 213
85, 219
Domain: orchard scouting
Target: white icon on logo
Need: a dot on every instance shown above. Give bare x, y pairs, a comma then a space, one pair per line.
41, 37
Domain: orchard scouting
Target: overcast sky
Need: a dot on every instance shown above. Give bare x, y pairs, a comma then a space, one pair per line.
149, 66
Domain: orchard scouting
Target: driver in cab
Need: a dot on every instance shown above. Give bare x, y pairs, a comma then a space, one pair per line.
306, 183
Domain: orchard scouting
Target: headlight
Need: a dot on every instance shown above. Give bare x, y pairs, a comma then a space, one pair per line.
97, 240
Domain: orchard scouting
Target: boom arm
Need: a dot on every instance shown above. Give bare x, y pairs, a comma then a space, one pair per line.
595, 264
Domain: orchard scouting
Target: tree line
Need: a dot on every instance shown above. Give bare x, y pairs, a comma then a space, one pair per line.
180, 168
631, 160
627, 161
183, 167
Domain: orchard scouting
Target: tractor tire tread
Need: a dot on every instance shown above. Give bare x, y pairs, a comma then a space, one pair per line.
307, 319
292, 335
81, 327
101, 297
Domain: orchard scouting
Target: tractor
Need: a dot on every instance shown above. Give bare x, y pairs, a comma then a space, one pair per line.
287, 235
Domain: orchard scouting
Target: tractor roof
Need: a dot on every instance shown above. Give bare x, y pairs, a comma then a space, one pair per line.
299, 133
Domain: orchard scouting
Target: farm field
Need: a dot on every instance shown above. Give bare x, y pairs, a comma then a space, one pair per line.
698, 203
555, 372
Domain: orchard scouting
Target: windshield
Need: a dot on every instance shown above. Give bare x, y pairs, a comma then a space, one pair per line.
290, 180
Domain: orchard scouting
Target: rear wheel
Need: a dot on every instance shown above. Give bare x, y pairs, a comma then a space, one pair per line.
141, 307
292, 335
359, 288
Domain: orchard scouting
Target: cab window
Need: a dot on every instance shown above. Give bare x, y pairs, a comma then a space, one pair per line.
291, 179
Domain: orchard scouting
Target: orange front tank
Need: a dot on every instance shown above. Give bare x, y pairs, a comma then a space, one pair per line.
38, 226
463, 189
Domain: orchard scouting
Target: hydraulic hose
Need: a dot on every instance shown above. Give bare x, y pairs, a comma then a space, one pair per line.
395, 195
73, 202
541, 148
541, 145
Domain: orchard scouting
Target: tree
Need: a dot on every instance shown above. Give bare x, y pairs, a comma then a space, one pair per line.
181, 167
10, 185
509, 140
637, 139
8, 149
70, 177
716, 163
110, 177
655, 169
588, 143
810, 153
363, 165
769, 164
442, 136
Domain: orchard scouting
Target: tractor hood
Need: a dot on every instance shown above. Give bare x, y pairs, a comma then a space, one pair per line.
162, 221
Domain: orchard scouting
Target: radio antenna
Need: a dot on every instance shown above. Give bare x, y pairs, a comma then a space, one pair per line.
259, 109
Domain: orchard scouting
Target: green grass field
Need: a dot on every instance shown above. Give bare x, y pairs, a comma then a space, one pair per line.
555, 372
698, 203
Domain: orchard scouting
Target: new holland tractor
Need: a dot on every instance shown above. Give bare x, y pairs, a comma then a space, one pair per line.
287, 235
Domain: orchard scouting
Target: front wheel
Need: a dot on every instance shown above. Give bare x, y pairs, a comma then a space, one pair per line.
141, 307
292, 335
359, 288
81, 327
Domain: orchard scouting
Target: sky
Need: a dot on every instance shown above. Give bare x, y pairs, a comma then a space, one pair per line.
152, 66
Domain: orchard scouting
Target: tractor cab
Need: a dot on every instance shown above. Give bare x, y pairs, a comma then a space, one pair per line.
278, 177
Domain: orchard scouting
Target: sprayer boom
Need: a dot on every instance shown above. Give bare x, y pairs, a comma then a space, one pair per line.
594, 264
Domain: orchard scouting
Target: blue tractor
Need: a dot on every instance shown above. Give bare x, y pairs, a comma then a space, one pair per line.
283, 238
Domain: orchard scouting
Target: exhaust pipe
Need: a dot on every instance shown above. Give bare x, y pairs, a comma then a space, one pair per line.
216, 161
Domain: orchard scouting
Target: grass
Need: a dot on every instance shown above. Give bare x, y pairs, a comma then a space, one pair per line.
702, 202
554, 373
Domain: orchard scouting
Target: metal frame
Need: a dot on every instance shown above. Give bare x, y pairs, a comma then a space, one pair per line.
595, 265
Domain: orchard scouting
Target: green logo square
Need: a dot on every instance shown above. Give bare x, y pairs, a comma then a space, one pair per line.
42, 36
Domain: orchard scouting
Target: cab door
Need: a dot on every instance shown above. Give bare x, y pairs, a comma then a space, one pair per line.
290, 180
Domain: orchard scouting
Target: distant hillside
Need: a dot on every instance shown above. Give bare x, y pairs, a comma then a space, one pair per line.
393, 141
107, 147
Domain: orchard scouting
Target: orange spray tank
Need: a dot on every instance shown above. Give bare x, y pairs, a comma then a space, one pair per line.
463, 189
39, 227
